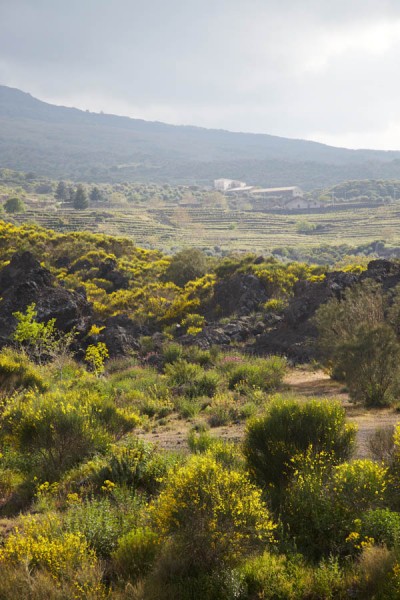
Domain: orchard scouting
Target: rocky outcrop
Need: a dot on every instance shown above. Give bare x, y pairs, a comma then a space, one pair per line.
241, 294
236, 331
24, 281
121, 335
108, 271
296, 334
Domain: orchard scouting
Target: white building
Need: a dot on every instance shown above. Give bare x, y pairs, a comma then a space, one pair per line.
222, 185
297, 202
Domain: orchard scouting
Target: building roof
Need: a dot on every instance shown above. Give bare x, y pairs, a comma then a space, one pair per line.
245, 188
277, 189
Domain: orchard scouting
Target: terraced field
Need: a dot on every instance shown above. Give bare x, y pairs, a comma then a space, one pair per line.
174, 228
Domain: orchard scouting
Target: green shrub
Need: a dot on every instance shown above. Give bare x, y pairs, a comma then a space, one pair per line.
228, 454
204, 385
204, 358
185, 266
55, 431
381, 444
266, 374
370, 364
382, 525
135, 464
182, 372
191, 380
306, 227
290, 427
82, 583
135, 554
277, 577
200, 441
167, 583
188, 408
103, 520
171, 353
270, 576
360, 346
378, 574
223, 409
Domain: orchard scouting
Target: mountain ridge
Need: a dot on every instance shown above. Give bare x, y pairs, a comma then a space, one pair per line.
69, 142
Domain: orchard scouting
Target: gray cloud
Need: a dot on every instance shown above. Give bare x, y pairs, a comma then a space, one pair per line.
316, 69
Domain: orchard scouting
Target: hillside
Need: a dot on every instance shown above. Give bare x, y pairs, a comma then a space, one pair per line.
355, 218
58, 141
154, 448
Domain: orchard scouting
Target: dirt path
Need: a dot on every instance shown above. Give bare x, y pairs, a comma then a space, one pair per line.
317, 383
301, 382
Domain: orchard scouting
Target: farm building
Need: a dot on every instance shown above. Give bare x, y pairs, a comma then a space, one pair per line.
222, 185
284, 192
297, 202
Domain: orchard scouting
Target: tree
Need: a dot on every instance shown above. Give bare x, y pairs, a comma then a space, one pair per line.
14, 205
70, 193
95, 194
371, 365
80, 199
185, 266
62, 192
359, 345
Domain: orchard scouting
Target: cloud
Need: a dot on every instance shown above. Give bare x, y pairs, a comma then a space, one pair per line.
300, 69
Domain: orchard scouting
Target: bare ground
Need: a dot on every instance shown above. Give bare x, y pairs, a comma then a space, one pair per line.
301, 382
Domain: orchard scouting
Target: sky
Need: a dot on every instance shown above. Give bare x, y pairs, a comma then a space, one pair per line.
326, 70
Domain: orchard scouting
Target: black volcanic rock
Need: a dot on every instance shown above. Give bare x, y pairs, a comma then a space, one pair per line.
382, 271
121, 335
241, 294
23, 282
295, 336
107, 270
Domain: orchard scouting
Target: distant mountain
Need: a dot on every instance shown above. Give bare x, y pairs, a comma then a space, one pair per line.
66, 142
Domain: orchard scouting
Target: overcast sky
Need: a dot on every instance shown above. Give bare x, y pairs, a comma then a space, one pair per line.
326, 70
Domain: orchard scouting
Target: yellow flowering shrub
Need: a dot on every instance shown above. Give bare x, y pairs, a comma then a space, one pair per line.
323, 501
215, 513
43, 545
57, 430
